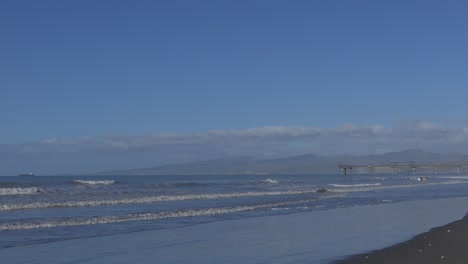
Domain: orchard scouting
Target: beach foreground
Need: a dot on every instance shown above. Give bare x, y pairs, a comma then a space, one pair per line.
309, 237
445, 244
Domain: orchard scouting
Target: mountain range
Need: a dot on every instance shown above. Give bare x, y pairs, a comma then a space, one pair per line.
303, 164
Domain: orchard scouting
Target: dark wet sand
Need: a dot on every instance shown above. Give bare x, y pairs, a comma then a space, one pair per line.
446, 244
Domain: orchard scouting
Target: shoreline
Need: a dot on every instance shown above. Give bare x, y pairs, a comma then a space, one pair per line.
443, 244
317, 237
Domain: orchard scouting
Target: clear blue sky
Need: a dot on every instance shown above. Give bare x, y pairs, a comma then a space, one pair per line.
74, 69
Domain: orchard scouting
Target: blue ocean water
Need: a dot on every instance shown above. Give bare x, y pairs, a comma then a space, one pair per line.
41, 209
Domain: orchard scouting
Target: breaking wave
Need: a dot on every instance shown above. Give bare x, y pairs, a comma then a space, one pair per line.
269, 181
370, 187
107, 182
355, 185
453, 177
20, 191
176, 184
138, 217
151, 199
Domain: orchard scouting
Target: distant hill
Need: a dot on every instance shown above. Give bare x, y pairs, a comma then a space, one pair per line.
304, 164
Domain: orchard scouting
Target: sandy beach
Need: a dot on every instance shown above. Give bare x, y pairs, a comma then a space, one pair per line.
445, 244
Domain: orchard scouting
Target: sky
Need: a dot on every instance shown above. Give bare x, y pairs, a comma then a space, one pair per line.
87, 86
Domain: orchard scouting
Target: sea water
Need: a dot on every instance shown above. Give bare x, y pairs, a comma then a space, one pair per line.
45, 210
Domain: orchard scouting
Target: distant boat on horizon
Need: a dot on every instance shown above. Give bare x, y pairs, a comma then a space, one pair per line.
26, 174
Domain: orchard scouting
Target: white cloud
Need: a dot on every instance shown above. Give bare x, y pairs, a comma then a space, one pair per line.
422, 130
363, 131
416, 131
165, 139
261, 142
265, 132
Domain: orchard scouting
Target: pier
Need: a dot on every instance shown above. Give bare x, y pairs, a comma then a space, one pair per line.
395, 168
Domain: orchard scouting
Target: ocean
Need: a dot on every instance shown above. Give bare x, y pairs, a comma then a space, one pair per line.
246, 218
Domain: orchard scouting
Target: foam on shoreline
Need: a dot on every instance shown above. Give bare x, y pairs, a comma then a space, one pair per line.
308, 237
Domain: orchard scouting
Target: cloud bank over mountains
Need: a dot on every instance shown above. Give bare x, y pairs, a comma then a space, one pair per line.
88, 154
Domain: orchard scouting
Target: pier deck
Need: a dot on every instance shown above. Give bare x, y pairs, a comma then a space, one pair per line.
399, 167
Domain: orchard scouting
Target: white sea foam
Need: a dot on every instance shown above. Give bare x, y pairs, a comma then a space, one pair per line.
107, 182
19, 191
280, 208
138, 217
453, 177
369, 188
270, 181
355, 185
150, 199
419, 178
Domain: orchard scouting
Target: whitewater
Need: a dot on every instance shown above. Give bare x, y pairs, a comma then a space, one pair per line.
277, 212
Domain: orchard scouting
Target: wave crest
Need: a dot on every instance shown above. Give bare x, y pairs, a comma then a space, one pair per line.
105, 182
19, 191
355, 185
139, 217
145, 200
269, 181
